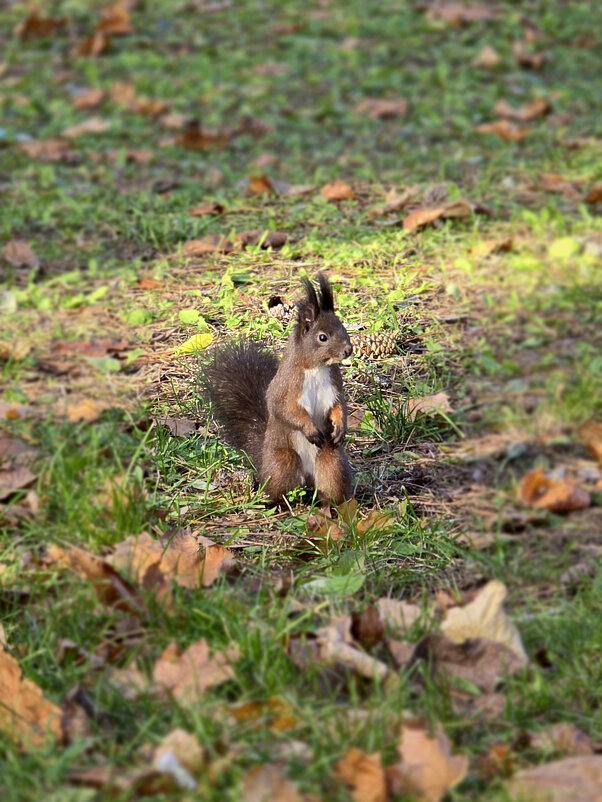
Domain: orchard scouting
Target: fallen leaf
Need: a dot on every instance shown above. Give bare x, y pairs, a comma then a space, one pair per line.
49, 150
265, 239
274, 714
179, 427
187, 674
395, 203
337, 191
178, 558
13, 479
489, 246
573, 779
533, 61
173, 122
96, 347
457, 13
212, 243
382, 109
376, 519
180, 755
536, 490
505, 130
591, 434
367, 627
428, 405
19, 254
95, 45
14, 351
484, 617
268, 783
12, 410
562, 737
480, 661
115, 19
112, 589
93, 125
488, 58
26, 716
212, 209
37, 27
538, 107
196, 137
260, 185
422, 217
594, 194
398, 615
198, 342
86, 410
365, 774
428, 768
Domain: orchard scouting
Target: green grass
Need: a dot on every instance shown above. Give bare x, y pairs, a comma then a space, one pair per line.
513, 339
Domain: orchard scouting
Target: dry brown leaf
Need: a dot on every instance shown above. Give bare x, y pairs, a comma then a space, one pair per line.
12, 410
180, 755
37, 27
19, 254
187, 674
26, 716
48, 150
562, 737
382, 109
16, 350
478, 660
458, 13
484, 617
95, 45
112, 589
395, 202
212, 243
337, 191
115, 19
594, 194
422, 217
260, 185
365, 774
265, 239
212, 209
179, 427
269, 783
429, 405
505, 130
489, 246
178, 558
13, 479
95, 347
401, 651
87, 410
90, 99
93, 125
367, 627
275, 715
591, 434
488, 58
573, 779
428, 768
532, 61
538, 107
398, 615
376, 519
196, 137
536, 490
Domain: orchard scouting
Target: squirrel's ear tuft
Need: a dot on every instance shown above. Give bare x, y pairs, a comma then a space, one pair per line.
326, 299
309, 306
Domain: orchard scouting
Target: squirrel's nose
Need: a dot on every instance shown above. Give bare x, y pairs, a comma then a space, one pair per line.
348, 351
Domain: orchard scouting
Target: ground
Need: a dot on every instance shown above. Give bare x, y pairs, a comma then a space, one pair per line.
200, 122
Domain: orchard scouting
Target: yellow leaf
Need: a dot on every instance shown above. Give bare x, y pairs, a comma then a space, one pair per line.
196, 343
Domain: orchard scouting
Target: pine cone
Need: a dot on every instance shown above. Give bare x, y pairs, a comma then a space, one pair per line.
375, 346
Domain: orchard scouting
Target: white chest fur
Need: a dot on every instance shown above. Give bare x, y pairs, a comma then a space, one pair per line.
318, 394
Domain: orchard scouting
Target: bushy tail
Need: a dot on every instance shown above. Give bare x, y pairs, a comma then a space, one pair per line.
236, 382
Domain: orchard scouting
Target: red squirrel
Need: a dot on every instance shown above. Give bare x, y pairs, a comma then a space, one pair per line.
290, 418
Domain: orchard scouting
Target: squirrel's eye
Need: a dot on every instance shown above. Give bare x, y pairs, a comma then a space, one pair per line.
323, 338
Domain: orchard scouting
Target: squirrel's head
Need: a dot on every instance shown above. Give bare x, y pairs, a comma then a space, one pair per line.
321, 337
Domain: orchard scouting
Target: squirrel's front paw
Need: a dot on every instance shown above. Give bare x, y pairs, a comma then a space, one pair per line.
337, 434
315, 436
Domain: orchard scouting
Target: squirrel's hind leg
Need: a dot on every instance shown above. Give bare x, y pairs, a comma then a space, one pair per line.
333, 475
281, 471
